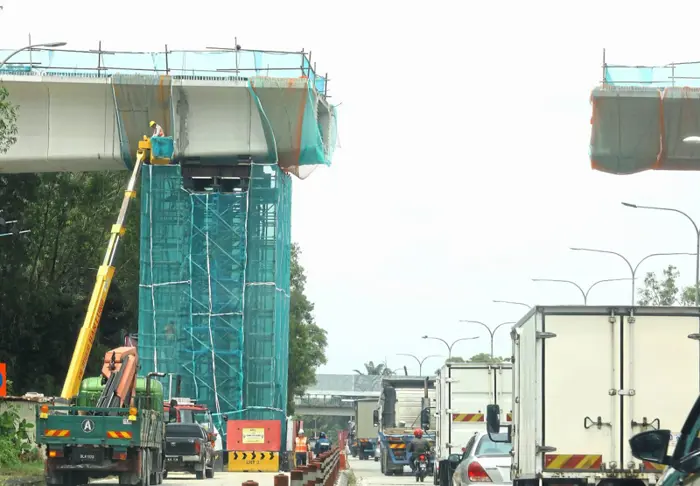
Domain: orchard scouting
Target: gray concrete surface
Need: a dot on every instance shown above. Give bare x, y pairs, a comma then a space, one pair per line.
220, 479
367, 473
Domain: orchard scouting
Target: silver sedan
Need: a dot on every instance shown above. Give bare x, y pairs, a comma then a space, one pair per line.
484, 461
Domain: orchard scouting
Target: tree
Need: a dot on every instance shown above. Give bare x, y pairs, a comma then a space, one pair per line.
486, 358
307, 341
665, 291
380, 369
8, 121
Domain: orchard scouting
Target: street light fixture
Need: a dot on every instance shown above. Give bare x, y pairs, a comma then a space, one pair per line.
449, 346
420, 361
49, 45
491, 333
512, 302
583, 293
633, 269
697, 235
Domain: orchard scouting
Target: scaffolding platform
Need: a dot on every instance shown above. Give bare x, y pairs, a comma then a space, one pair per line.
641, 114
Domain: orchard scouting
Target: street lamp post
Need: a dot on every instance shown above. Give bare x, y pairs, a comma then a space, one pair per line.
420, 361
633, 269
583, 293
512, 302
697, 241
15, 231
33, 46
491, 333
450, 346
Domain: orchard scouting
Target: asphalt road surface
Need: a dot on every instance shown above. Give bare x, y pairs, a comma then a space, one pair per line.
220, 479
369, 474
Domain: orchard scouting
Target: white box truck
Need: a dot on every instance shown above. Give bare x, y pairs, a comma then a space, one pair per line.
463, 391
587, 379
365, 432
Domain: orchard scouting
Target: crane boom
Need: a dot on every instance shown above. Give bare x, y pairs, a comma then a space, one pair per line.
71, 387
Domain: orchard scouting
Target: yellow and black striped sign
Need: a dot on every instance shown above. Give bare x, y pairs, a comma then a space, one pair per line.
571, 462
467, 417
397, 445
57, 433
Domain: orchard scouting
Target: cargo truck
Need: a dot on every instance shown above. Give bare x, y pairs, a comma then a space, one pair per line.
365, 429
587, 379
464, 390
87, 441
405, 404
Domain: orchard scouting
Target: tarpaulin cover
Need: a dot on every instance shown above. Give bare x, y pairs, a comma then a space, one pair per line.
640, 118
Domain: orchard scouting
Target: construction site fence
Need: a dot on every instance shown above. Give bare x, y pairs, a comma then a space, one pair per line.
212, 63
682, 74
323, 470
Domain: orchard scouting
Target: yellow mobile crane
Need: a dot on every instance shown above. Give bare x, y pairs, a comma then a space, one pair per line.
105, 273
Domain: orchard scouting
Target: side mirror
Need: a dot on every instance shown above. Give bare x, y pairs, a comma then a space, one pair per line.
454, 459
493, 419
425, 418
375, 417
652, 446
689, 464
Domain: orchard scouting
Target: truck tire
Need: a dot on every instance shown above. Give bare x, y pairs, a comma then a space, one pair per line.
209, 473
200, 474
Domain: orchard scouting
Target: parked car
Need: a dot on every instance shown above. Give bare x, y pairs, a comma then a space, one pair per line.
484, 460
189, 448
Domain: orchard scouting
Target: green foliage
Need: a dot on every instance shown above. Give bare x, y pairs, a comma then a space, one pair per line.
665, 291
486, 358
307, 341
380, 369
15, 445
47, 276
8, 121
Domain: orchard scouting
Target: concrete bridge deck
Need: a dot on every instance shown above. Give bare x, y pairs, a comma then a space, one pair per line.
75, 117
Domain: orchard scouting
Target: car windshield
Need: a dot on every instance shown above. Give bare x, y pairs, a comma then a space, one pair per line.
183, 430
487, 447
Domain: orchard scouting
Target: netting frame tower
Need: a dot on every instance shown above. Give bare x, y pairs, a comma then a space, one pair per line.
220, 263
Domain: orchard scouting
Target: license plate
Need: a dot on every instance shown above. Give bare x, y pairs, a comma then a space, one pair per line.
87, 455
422, 466
173, 459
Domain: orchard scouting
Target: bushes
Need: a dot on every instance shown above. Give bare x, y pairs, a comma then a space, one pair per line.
15, 444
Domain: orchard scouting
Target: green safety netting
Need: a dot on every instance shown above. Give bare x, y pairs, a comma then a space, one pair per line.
214, 296
641, 115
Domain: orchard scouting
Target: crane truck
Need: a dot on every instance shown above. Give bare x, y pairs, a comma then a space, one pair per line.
404, 405
112, 424
586, 380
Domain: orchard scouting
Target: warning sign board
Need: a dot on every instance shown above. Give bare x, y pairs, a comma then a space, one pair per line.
253, 461
253, 436
3, 380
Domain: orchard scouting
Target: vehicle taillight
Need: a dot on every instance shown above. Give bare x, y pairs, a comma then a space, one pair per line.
197, 447
477, 473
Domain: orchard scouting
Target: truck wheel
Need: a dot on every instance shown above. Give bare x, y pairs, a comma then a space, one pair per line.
200, 474
209, 473
165, 474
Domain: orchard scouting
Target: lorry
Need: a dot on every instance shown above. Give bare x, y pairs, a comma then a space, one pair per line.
114, 428
463, 391
404, 405
588, 379
365, 430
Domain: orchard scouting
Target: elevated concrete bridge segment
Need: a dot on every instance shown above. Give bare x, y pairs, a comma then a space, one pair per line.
334, 394
78, 114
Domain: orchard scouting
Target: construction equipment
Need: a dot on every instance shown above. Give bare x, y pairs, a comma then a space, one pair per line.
150, 151
120, 432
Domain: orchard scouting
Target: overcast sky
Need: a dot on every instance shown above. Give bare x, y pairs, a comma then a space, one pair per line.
463, 170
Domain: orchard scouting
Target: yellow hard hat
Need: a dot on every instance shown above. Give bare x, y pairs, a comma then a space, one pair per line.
152, 124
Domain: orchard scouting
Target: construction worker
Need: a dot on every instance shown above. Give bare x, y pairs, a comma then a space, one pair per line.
301, 448
157, 130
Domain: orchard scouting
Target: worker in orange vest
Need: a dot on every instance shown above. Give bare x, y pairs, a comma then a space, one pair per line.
301, 448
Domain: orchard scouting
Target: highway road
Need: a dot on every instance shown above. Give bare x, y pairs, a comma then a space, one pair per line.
368, 473
220, 479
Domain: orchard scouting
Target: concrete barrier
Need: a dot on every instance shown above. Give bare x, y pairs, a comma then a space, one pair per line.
324, 470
